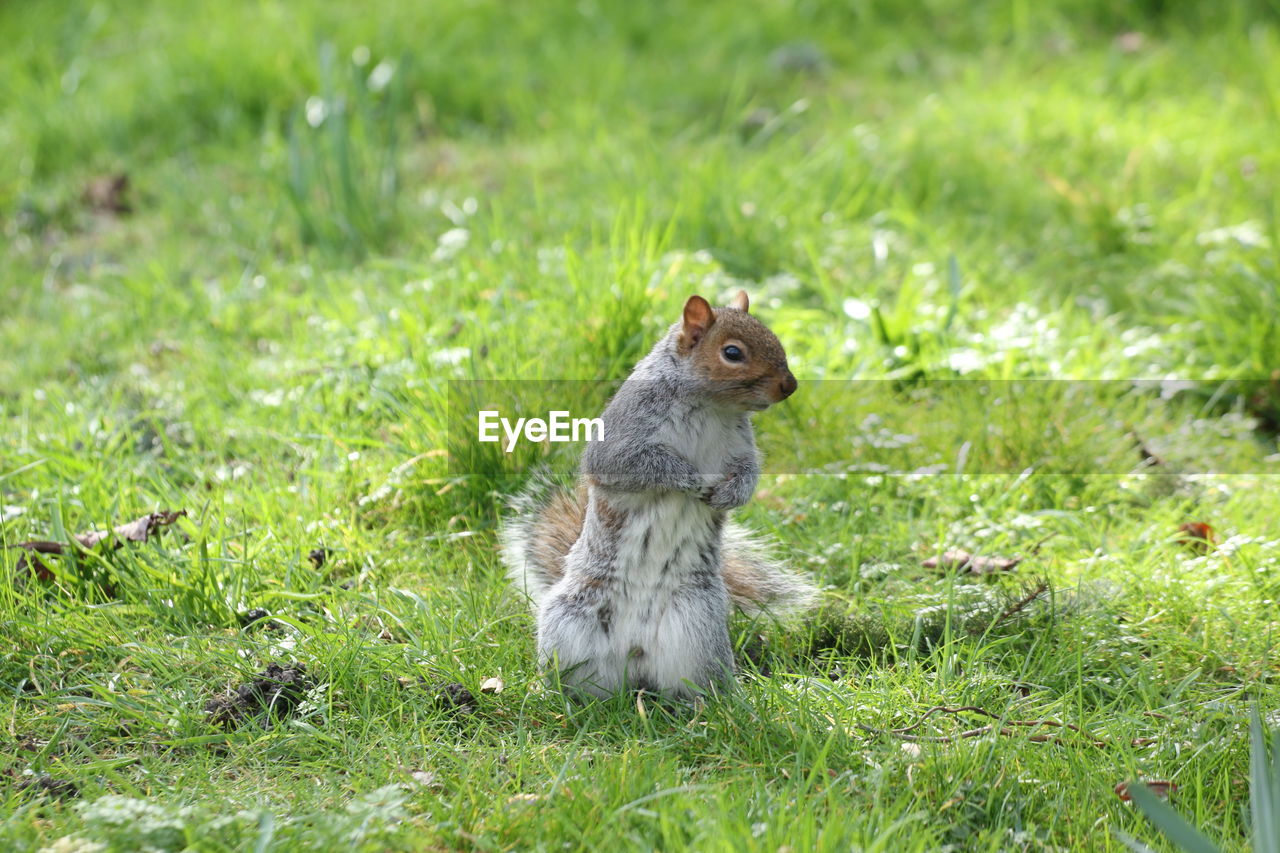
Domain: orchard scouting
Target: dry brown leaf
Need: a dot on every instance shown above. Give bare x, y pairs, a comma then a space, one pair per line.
966, 562
1160, 787
962, 561
1196, 536
138, 530
29, 560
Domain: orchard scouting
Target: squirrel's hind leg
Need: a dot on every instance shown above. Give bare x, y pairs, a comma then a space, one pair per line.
694, 654
574, 642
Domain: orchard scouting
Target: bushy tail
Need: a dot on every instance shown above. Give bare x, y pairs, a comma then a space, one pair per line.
545, 520
540, 527
757, 581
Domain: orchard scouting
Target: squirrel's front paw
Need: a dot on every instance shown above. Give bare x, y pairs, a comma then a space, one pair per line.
731, 492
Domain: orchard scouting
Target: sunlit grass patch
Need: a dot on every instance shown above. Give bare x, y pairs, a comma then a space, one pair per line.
1068, 205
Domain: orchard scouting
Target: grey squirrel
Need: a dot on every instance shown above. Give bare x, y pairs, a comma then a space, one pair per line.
632, 574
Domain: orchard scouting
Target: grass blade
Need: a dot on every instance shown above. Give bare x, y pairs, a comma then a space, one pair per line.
1173, 825
1264, 770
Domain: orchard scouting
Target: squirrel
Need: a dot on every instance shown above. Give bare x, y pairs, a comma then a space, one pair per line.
631, 575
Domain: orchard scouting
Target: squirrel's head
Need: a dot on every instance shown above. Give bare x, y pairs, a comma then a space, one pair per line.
734, 352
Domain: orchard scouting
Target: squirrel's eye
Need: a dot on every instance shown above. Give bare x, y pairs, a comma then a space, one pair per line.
732, 353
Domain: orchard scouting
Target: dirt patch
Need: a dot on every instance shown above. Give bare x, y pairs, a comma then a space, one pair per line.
57, 789
250, 616
275, 692
446, 695
454, 697
755, 655
258, 619
30, 743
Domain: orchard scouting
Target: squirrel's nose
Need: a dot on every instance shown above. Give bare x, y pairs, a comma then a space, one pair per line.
787, 386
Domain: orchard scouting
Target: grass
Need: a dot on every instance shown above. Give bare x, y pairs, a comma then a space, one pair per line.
339, 218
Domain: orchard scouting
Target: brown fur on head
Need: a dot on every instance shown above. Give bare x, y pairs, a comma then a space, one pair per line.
738, 355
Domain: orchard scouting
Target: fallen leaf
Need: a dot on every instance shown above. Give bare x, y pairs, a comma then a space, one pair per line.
138, 530
492, 685
1196, 536
34, 563
966, 563
1160, 787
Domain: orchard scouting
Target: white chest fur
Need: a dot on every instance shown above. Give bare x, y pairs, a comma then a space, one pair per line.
709, 438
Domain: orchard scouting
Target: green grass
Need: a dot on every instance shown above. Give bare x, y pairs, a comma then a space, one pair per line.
338, 211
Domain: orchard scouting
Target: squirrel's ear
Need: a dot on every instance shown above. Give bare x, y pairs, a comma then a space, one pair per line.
698, 317
740, 301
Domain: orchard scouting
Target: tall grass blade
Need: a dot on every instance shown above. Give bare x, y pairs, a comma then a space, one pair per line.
1264, 771
1173, 825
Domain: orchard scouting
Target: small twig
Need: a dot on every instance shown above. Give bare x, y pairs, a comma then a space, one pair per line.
1148, 458
1021, 604
929, 712
1035, 548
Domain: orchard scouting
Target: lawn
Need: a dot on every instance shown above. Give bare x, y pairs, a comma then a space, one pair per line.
256, 253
